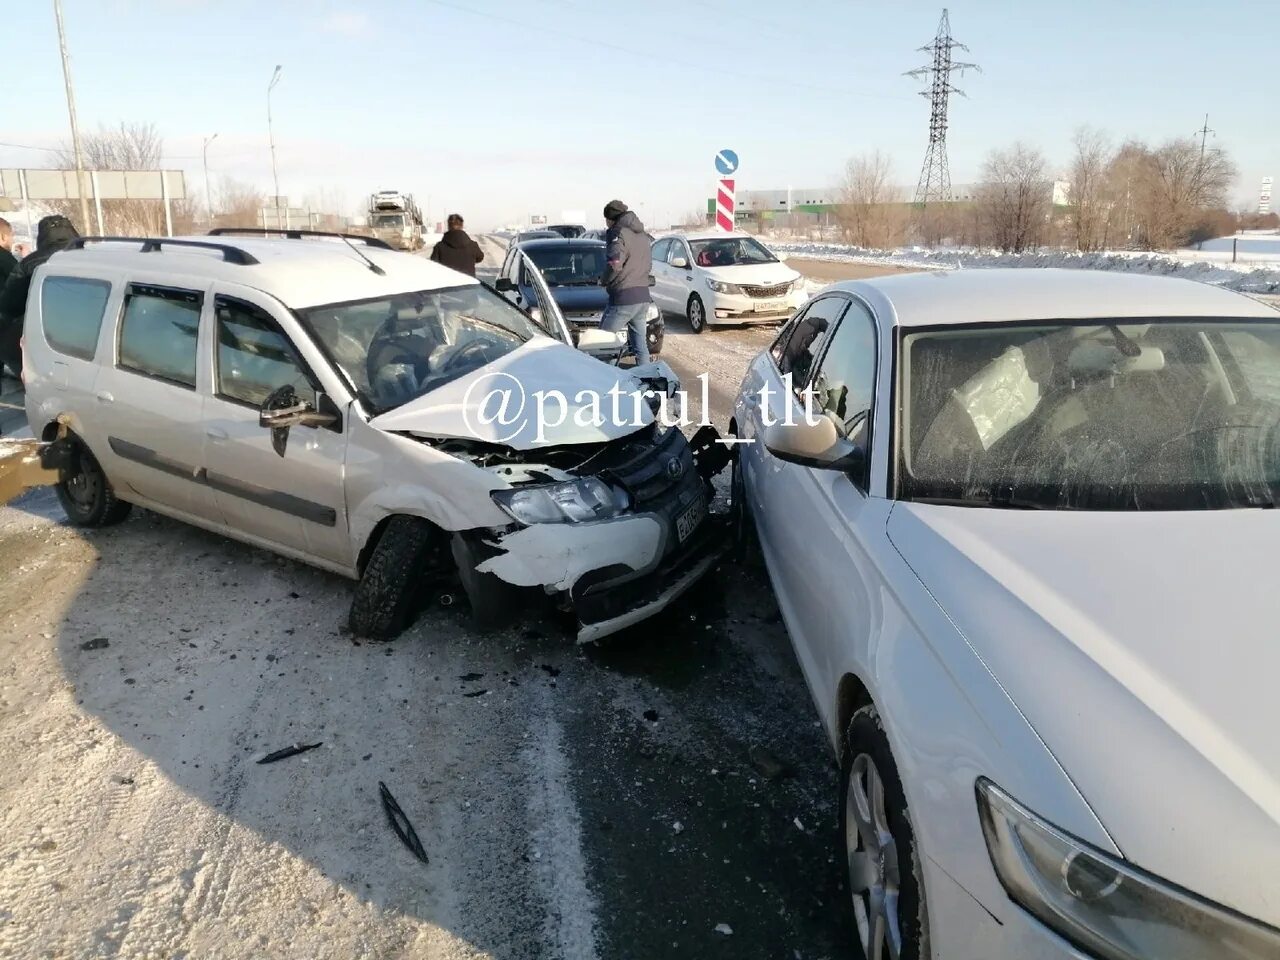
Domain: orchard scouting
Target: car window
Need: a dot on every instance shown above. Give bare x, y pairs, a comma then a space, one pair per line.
807, 337
254, 356
678, 250
660, 250
71, 310
844, 385
158, 333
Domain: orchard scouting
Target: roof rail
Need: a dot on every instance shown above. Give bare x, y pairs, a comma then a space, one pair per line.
290, 234
230, 254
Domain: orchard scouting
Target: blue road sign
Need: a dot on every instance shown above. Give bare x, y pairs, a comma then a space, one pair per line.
726, 162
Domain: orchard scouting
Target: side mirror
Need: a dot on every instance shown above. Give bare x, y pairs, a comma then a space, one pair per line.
680, 263
817, 444
282, 410
781, 256
504, 285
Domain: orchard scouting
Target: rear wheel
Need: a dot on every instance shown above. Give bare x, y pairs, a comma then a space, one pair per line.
387, 596
697, 314
884, 868
741, 526
86, 495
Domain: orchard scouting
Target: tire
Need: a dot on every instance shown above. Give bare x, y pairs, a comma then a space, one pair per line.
885, 874
86, 495
654, 336
745, 548
386, 600
697, 314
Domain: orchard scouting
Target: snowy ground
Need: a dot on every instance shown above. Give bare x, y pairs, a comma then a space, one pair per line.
1259, 276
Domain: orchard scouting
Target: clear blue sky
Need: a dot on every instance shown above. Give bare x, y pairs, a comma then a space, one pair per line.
499, 108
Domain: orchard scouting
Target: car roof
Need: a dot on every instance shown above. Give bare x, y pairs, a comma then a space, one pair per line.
539, 243
706, 235
944, 297
300, 273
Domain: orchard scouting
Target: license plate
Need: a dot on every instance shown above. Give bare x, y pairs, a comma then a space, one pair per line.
688, 521
768, 306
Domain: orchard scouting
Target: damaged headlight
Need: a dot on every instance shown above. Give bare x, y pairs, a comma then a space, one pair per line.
571, 502
1103, 904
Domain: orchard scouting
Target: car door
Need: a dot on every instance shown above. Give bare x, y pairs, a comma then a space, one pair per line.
295, 500
661, 278
150, 397
548, 315
680, 277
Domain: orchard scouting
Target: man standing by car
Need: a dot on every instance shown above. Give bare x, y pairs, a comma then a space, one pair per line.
457, 250
52, 234
626, 277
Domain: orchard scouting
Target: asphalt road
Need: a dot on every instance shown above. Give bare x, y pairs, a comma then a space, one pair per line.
622, 800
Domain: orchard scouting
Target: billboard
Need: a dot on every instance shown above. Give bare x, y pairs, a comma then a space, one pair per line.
99, 184
1264, 196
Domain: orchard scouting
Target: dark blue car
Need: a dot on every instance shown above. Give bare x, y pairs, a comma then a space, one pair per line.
573, 270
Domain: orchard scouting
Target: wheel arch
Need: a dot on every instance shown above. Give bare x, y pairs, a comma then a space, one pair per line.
851, 696
379, 528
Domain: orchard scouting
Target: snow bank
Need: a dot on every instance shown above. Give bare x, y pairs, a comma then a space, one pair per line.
1243, 277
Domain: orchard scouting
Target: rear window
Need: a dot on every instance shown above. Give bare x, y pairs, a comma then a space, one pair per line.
71, 311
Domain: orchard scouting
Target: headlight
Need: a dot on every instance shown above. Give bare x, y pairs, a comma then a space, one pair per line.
576, 500
1101, 903
797, 285
720, 287
652, 313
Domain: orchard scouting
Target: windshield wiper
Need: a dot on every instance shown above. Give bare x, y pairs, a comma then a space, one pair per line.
481, 321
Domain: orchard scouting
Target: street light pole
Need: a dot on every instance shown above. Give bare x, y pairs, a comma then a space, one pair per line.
208, 204
71, 109
275, 78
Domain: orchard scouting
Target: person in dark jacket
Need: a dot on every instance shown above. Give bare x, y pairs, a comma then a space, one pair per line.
52, 234
7, 260
457, 250
626, 276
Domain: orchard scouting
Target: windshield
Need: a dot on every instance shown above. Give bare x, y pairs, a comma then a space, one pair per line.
396, 348
579, 265
729, 252
1150, 415
395, 220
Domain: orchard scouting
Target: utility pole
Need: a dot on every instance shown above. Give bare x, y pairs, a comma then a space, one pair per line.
75, 127
1204, 135
935, 177
275, 177
208, 204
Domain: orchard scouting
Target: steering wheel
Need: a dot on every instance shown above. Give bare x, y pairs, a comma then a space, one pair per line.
459, 356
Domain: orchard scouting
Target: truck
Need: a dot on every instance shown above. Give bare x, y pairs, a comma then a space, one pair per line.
395, 218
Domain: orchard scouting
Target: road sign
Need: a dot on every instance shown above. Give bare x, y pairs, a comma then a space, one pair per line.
726, 163
725, 204
1264, 197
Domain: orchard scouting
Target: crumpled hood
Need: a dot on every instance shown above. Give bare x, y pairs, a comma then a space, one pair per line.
1144, 648
756, 274
469, 407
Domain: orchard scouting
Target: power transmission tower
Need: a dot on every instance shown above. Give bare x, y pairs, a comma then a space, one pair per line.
1204, 136
935, 177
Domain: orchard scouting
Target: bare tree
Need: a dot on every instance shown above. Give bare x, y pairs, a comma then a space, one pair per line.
129, 146
1090, 204
1180, 183
1014, 197
239, 204
871, 213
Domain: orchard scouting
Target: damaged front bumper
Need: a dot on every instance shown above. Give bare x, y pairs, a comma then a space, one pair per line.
617, 572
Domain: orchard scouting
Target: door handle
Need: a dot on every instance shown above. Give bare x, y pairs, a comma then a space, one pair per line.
215, 433
105, 397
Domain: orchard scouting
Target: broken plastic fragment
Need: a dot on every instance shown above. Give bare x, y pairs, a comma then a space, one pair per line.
287, 752
725, 929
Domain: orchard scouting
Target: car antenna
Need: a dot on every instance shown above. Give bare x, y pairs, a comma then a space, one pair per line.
372, 266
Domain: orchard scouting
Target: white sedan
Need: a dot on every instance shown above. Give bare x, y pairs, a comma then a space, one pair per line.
718, 277
1022, 543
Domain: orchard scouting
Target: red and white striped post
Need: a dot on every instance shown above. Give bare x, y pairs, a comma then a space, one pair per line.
725, 203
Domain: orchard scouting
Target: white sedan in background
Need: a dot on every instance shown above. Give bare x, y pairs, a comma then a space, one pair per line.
1024, 550
719, 277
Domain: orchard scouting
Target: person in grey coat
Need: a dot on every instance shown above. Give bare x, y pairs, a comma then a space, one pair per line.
626, 277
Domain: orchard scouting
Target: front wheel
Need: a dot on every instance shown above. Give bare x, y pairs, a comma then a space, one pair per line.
885, 875
86, 494
653, 337
697, 314
387, 595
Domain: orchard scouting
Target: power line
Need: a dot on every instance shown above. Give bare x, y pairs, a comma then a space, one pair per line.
935, 176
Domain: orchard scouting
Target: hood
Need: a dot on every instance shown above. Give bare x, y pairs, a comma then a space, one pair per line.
1143, 649
542, 364
757, 274
456, 239
630, 222
54, 232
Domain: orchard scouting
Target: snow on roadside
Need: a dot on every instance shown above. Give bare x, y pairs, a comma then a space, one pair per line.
1245, 278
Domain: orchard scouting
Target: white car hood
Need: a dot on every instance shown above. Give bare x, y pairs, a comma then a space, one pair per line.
541, 365
762, 274
1144, 648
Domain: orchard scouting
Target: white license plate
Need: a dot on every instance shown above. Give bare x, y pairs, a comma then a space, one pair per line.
688, 521
768, 306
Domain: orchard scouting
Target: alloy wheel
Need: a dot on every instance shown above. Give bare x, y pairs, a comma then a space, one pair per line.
874, 873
